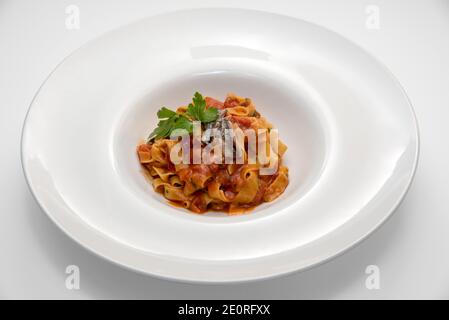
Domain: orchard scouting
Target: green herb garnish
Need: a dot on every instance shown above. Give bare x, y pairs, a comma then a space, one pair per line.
165, 113
169, 120
197, 110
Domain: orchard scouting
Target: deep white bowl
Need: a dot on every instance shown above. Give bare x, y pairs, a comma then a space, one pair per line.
350, 129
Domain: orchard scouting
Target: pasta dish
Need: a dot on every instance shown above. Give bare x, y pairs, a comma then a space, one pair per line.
215, 156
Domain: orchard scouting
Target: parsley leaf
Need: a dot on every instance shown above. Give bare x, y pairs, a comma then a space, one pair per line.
210, 115
165, 113
183, 123
170, 122
197, 110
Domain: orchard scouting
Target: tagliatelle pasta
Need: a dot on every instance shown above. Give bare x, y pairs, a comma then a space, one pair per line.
247, 172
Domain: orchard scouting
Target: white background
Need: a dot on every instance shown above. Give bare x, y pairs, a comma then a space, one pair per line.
411, 249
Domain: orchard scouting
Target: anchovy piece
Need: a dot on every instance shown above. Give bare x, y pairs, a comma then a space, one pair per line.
216, 129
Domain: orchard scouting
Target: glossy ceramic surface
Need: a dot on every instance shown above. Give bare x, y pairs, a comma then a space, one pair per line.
351, 132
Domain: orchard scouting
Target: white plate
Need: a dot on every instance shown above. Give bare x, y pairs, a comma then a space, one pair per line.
351, 132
